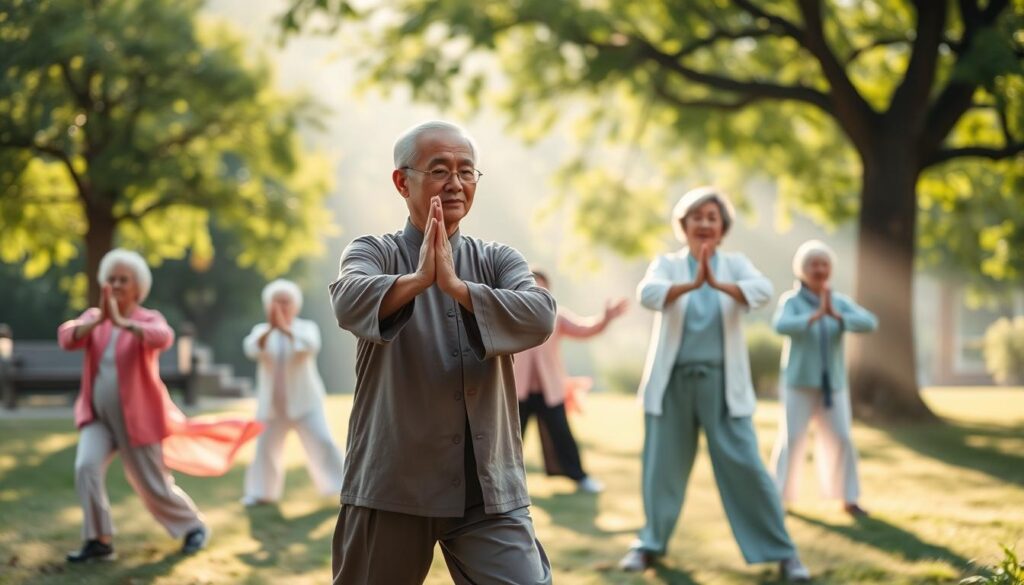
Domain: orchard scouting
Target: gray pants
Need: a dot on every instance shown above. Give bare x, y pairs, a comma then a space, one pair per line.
143, 467
374, 547
695, 398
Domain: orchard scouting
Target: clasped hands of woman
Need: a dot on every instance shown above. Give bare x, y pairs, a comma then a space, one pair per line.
110, 310
705, 275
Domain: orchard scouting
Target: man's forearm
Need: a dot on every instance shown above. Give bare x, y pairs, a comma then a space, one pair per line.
404, 290
460, 292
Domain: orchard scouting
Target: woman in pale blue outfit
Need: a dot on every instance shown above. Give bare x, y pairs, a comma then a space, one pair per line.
814, 319
697, 376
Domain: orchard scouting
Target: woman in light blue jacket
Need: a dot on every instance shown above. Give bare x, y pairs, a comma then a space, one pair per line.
697, 376
814, 319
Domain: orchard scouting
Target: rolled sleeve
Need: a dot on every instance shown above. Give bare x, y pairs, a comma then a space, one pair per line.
251, 343
756, 288
788, 320
66, 331
512, 316
156, 333
307, 339
357, 293
856, 319
652, 290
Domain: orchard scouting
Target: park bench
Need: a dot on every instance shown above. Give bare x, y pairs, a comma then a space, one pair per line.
42, 367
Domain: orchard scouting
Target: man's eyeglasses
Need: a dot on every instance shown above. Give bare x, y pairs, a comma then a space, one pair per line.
443, 175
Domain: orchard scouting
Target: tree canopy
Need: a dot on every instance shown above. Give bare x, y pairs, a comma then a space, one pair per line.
141, 122
908, 115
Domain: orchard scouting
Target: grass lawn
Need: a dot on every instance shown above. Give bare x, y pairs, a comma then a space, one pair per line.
940, 495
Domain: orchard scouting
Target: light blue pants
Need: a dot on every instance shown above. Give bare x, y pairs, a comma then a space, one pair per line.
695, 398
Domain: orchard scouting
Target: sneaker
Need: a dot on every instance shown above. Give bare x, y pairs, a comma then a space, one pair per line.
92, 550
195, 540
590, 485
794, 571
636, 561
855, 510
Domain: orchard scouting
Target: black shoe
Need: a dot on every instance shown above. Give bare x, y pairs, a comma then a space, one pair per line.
92, 550
195, 540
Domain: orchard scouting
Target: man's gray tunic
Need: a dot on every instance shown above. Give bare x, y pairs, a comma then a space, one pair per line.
420, 372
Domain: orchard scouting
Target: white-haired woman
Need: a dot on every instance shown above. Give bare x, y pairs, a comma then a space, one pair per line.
814, 318
290, 396
124, 407
697, 376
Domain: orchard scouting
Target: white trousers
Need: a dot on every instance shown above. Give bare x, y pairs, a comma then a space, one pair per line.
834, 454
264, 480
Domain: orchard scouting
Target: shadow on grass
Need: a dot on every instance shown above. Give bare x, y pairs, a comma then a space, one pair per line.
673, 575
950, 443
576, 511
278, 536
889, 538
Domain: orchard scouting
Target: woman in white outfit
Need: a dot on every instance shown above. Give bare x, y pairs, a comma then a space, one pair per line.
290, 396
814, 319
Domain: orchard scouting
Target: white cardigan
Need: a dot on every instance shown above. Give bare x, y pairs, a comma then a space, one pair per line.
667, 333
304, 386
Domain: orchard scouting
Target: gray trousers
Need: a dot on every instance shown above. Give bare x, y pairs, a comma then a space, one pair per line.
143, 467
695, 398
374, 547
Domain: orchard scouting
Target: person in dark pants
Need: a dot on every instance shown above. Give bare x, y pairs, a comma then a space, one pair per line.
544, 390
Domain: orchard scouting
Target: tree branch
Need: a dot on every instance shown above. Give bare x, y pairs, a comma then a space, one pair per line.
877, 43
913, 91
852, 112
756, 89
191, 134
720, 35
25, 144
786, 26
957, 97
947, 154
739, 104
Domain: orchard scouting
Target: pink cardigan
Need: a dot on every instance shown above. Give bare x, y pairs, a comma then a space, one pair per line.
198, 447
546, 360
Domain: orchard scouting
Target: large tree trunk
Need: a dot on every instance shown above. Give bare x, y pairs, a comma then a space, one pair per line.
883, 372
99, 239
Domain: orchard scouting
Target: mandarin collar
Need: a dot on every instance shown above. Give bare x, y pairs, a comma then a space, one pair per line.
413, 235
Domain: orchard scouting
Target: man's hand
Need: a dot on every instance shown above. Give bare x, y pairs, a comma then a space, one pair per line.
447, 279
426, 269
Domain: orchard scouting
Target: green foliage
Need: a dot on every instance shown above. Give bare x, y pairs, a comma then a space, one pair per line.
765, 347
1004, 350
139, 118
712, 91
1009, 571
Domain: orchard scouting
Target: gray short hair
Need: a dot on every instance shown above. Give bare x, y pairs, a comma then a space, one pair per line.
809, 250
281, 285
405, 147
693, 199
130, 260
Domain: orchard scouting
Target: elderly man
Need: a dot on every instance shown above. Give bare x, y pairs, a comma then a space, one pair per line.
434, 447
